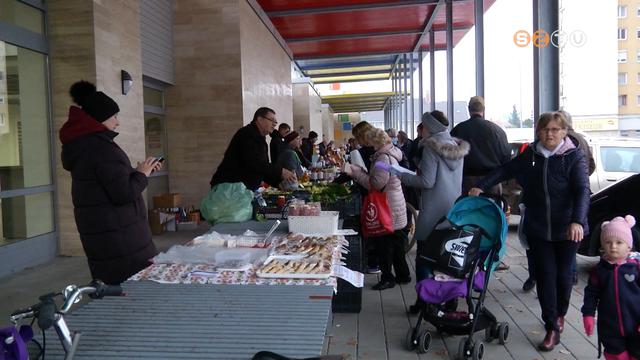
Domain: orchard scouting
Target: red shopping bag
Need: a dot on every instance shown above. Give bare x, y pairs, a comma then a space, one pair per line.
376, 214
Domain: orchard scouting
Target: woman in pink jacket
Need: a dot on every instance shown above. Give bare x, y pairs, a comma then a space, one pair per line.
390, 247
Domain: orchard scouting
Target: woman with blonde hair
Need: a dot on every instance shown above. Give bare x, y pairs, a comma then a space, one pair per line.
389, 248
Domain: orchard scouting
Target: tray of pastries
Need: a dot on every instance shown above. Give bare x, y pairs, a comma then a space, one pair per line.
308, 268
297, 246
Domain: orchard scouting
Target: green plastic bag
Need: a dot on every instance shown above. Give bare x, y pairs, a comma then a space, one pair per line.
227, 202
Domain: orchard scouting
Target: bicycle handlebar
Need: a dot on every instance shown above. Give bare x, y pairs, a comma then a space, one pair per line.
46, 309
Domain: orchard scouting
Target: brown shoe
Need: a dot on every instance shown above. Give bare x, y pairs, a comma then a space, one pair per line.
550, 341
560, 324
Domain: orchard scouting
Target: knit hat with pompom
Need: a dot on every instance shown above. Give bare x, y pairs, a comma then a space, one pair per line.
95, 103
619, 228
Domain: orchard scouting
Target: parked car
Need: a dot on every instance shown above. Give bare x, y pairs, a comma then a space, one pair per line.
615, 160
619, 199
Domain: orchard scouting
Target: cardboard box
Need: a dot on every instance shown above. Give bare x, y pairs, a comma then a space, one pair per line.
160, 222
157, 227
167, 200
187, 225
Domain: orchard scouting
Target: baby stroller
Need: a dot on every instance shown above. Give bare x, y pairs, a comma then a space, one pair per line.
466, 245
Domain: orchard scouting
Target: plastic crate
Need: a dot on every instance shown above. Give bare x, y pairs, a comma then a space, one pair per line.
326, 223
347, 206
348, 299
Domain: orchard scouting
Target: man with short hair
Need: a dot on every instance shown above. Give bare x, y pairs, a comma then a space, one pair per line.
277, 145
489, 146
246, 159
307, 145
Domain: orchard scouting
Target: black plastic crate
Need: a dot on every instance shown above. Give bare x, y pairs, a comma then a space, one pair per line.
347, 206
348, 299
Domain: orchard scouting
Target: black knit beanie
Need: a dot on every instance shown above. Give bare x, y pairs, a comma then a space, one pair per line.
95, 103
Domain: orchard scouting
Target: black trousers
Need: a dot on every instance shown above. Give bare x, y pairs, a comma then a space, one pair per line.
390, 250
553, 261
532, 266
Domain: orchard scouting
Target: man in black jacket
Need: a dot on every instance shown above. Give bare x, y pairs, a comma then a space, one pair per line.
277, 144
489, 149
489, 146
246, 159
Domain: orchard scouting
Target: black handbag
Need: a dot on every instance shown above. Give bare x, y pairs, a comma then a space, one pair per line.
452, 250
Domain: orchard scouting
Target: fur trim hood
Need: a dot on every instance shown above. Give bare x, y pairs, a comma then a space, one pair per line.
450, 149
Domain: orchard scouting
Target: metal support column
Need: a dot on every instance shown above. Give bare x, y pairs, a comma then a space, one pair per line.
420, 92
392, 101
405, 97
432, 69
398, 99
450, 113
411, 129
479, 24
546, 59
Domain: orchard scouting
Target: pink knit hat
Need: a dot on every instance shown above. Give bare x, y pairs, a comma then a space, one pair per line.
619, 228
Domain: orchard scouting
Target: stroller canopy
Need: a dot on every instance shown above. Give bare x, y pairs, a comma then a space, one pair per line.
485, 213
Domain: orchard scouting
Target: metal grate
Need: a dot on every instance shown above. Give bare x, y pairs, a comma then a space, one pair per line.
169, 321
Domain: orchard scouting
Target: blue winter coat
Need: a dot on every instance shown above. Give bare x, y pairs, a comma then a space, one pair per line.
555, 189
614, 290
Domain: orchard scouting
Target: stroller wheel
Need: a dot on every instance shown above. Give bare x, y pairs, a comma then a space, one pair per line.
424, 341
490, 333
478, 350
409, 342
503, 332
462, 349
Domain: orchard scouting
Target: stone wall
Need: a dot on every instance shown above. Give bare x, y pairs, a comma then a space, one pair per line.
204, 107
266, 69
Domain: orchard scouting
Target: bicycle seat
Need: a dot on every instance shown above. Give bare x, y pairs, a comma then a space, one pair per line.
268, 355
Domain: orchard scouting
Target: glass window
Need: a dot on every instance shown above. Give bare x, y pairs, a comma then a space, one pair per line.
155, 140
622, 56
638, 78
24, 217
153, 97
622, 100
154, 135
622, 78
22, 15
638, 100
638, 56
638, 11
622, 11
620, 159
622, 34
24, 128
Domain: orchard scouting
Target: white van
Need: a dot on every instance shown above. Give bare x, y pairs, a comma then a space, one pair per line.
616, 159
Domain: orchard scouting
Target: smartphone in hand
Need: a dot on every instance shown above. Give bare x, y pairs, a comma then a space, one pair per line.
160, 159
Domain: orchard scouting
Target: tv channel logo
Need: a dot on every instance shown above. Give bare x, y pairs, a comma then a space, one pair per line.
541, 38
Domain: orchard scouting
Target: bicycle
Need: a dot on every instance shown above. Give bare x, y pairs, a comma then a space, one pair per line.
412, 221
13, 341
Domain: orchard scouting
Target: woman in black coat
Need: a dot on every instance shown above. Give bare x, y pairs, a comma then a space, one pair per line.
554, 177
106, 190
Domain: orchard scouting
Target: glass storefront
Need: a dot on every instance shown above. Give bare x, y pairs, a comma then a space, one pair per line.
26, 180
24, 143
22, 15
24, 129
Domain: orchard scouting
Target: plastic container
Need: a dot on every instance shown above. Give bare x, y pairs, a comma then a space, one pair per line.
348, 298
325, 224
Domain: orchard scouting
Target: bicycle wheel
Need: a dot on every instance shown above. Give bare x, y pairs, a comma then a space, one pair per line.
412, 220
